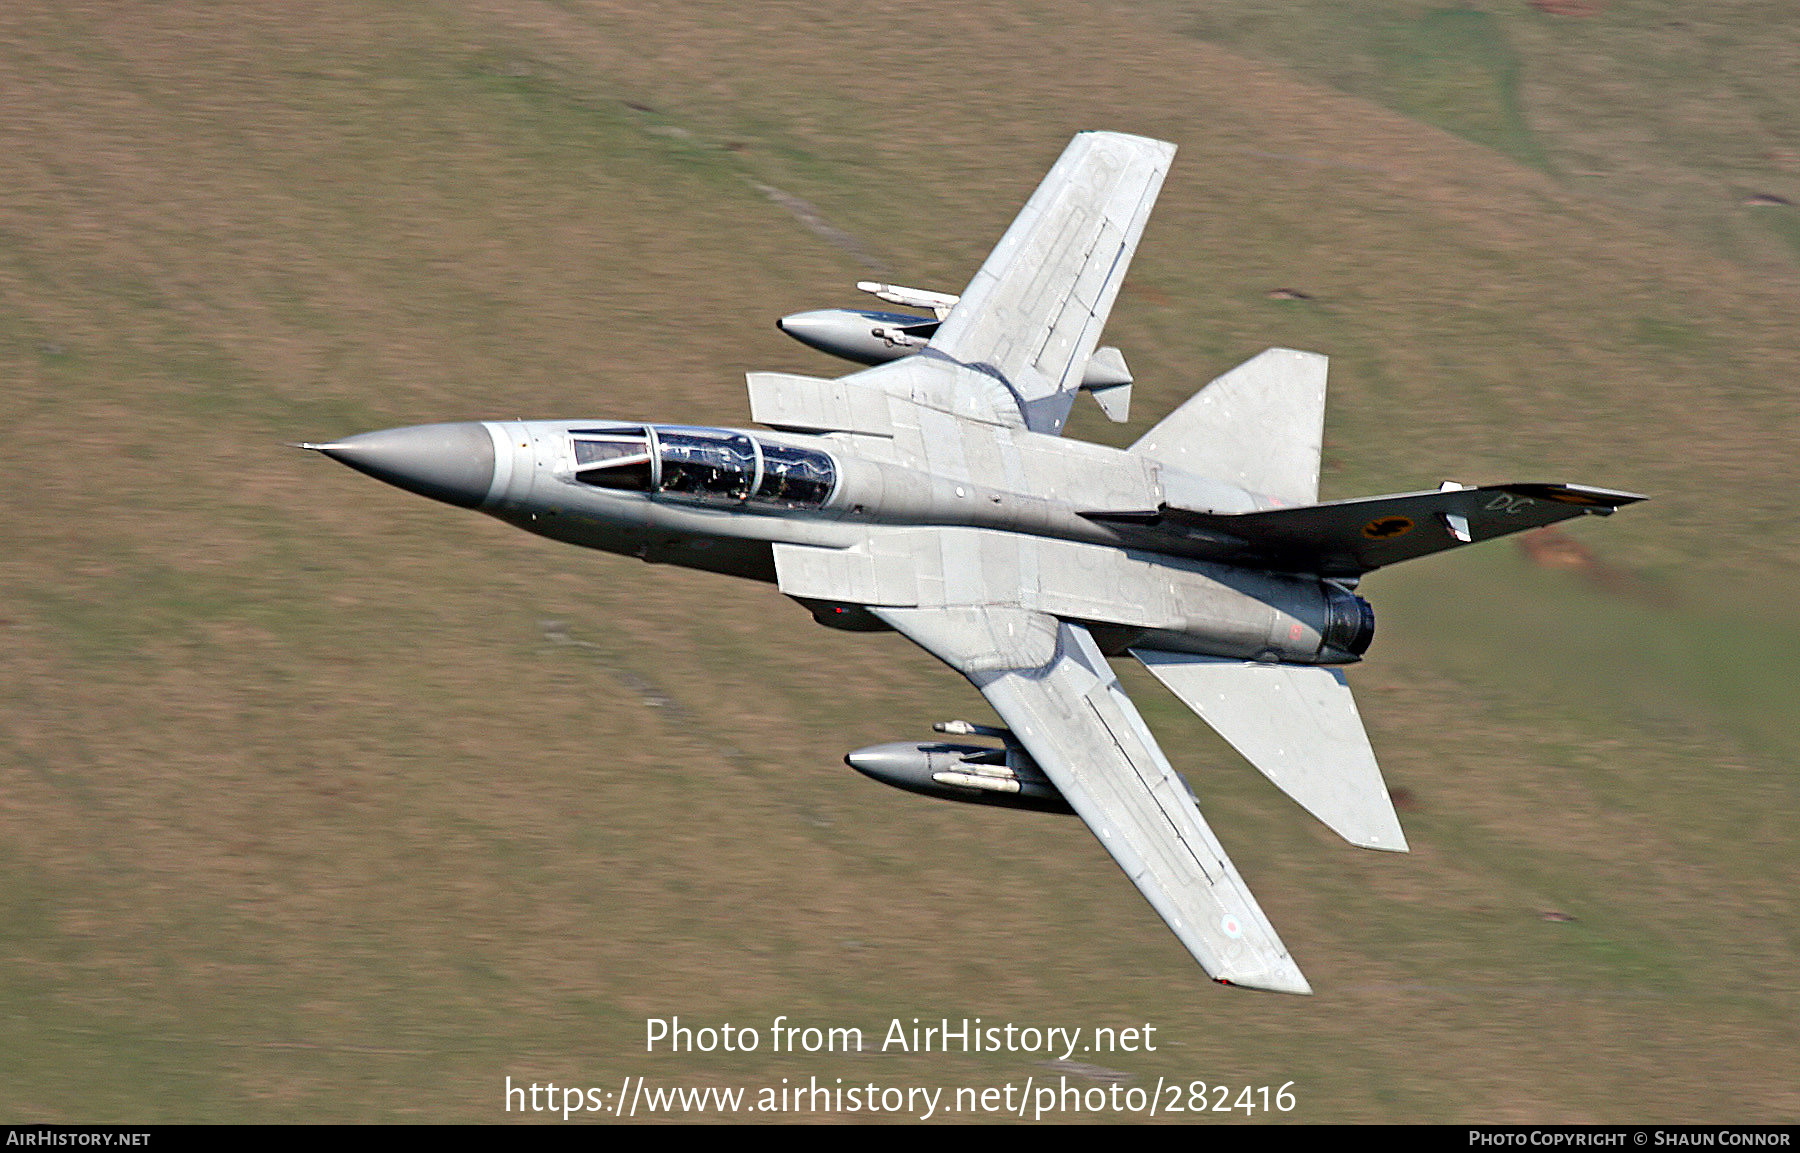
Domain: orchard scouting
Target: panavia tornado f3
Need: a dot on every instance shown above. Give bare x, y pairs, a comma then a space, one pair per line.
933, 494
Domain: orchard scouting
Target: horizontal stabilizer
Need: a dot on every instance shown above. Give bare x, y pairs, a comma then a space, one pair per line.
1299, 726
1352, 537
1259, 427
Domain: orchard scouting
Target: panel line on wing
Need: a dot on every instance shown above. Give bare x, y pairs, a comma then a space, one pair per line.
1152, 787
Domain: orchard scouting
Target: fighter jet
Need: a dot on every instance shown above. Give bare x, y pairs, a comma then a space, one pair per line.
933, 494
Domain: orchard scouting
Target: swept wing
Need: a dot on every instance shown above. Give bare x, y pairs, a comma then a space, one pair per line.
1052, 686
1016, 345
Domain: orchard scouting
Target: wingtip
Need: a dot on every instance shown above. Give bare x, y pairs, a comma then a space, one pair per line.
1593, 498
1281, 976
1290, 981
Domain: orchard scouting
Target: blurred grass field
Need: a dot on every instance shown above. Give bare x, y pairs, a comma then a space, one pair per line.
320, 802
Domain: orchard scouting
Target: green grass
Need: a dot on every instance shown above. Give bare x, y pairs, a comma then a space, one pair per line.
1454, 68
1668, 116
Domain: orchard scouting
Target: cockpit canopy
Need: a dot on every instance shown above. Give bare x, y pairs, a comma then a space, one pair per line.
710, 465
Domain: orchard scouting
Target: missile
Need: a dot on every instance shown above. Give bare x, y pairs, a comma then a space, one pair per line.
939, 302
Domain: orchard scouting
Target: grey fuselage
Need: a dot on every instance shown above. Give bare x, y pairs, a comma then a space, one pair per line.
1074, 525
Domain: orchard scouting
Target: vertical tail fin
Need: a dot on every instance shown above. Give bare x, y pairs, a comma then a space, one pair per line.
1259, 427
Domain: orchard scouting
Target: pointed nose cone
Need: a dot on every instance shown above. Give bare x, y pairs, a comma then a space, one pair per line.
453, 463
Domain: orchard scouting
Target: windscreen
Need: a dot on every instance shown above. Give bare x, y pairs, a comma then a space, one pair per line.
613, 458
